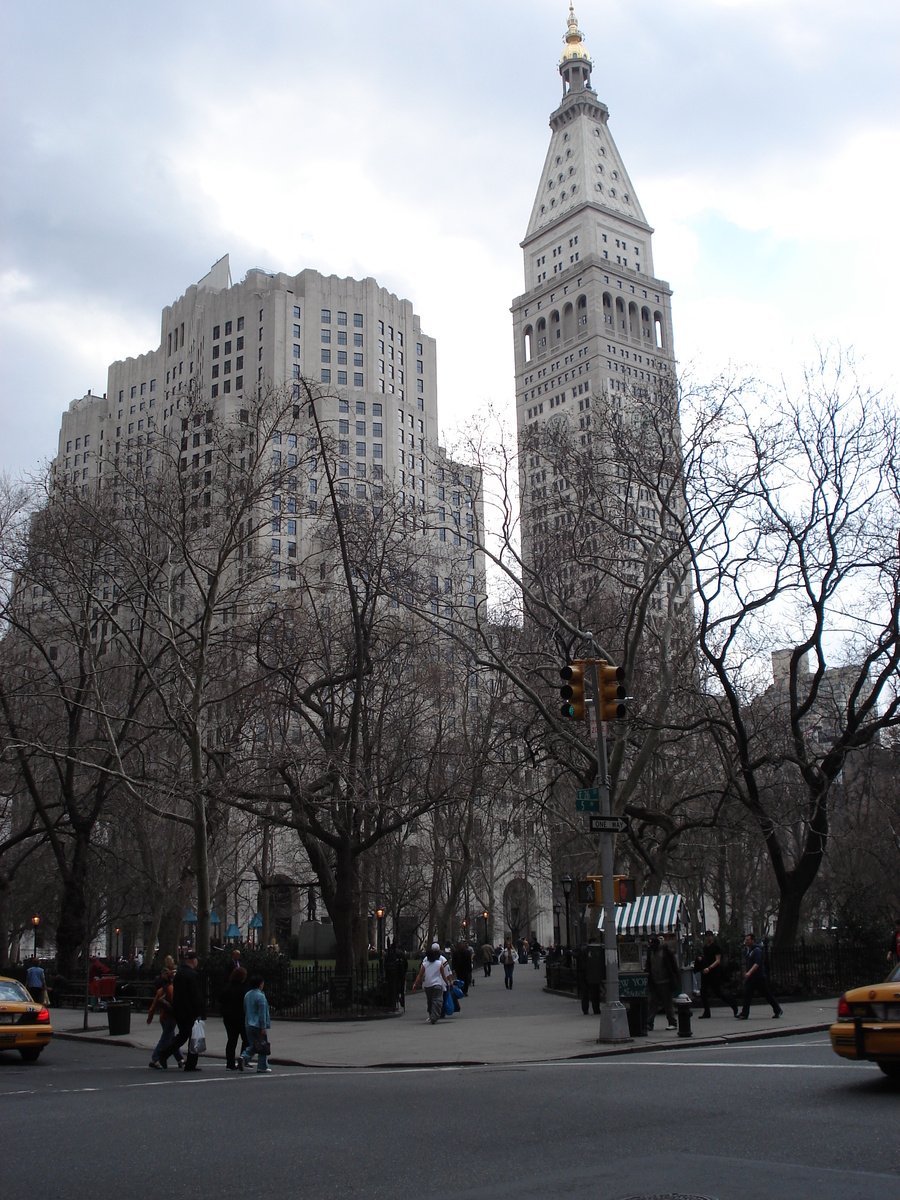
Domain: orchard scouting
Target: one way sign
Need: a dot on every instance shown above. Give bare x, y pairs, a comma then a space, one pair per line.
608, 824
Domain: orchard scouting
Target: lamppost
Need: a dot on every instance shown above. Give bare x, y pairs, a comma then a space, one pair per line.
35, 921
379, 913
566, 884
117, 945
557, 909
484, 917
465, 930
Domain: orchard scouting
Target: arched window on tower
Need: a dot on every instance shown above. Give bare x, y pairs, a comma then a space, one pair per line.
541, 336
634, 326
658, 329
645, 323
607, 309
620, 314
555, 331
528, 343
568, 322
581, 310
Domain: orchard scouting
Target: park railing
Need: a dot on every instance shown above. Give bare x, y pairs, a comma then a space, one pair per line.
807, 969
825, 969
308, 993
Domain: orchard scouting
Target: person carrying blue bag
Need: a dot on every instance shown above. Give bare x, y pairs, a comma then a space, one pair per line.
433, 974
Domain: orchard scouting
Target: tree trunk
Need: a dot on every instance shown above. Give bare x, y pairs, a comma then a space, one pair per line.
71, 928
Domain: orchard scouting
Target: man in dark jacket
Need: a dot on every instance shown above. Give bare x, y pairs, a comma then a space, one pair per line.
187, 1007
755, 978
712, 974
662, 978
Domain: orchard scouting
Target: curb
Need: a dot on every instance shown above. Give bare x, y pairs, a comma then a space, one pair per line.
611, 1052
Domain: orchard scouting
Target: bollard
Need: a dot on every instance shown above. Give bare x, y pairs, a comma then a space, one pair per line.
683, 1004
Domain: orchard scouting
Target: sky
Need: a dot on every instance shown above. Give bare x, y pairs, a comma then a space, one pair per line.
405, 140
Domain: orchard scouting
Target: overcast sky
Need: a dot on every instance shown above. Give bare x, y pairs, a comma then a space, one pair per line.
404, 139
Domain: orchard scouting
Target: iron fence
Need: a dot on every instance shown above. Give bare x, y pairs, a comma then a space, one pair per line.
824, 969
318, 993
808, 969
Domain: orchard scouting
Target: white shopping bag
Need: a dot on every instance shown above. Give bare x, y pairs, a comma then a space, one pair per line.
197, 1044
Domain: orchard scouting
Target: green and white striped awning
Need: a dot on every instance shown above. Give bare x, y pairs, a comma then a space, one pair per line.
664, 913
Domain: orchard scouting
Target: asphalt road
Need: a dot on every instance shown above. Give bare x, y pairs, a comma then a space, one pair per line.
756, 1120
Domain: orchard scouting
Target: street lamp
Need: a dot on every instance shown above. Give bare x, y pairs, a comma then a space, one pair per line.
35, 921
117, 945
484, 917
557, 909
465, 930
566, 884
379, 913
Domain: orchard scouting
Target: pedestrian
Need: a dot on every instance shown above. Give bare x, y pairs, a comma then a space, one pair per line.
435, 978
162, 1007
755, 979
487, 958
461, 962
231, 1006
662, 972
536, 953
187, 1007
36, 982
256, 1020
588, 974
235, 961
712, 974
508, 957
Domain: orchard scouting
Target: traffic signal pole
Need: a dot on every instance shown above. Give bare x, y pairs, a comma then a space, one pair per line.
613, 1017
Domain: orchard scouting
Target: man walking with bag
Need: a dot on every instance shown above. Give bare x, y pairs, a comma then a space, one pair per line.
187, 1007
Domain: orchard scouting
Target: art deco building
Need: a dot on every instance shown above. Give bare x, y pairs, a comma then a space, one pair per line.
221, 344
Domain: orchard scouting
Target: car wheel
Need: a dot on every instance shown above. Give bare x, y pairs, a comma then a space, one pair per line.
31, 1053
891, 1069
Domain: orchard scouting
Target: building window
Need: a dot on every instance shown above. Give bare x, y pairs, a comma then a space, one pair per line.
358, 320
326, 376
326, 316
342, 378
342, 318
360, 449
326, 337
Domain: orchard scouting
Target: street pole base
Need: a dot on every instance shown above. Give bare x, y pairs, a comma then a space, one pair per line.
613, 1023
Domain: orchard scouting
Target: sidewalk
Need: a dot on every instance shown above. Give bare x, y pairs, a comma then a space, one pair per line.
495, 1027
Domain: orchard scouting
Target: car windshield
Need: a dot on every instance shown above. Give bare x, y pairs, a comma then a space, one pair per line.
894, 976
12, 991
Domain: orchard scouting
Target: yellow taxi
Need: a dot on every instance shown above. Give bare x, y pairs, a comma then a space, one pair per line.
24, 1023
868, 1025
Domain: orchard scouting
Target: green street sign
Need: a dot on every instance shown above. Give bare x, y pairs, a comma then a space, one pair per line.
587, 806
588, 794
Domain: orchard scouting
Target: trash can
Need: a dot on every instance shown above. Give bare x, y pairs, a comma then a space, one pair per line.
119, 1016
637, 1008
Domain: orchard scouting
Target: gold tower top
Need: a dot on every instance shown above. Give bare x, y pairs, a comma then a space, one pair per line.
575, 47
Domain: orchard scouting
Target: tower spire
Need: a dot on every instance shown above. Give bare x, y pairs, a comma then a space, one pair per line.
575, 63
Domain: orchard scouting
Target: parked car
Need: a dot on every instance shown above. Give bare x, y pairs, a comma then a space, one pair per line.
24, 1022
868, 1025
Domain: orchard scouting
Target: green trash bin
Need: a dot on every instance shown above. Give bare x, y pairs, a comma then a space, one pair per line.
119, 1016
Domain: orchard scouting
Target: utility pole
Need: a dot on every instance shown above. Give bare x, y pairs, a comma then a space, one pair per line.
607, 704
613, 1017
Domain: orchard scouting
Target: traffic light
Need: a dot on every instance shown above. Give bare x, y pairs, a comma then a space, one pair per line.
572, 691
612, 692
